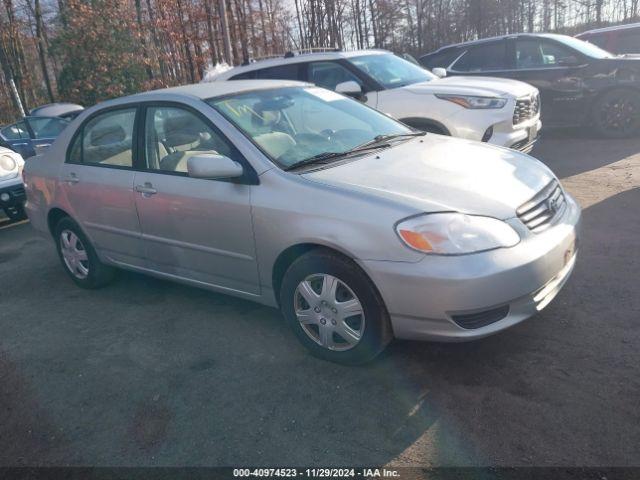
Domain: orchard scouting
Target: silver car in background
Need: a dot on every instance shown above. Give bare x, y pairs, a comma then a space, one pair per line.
359, 228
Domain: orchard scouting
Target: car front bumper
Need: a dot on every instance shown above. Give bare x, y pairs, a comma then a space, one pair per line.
12, 193
494, 290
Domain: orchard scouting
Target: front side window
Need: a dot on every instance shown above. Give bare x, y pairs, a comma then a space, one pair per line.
17, 131
629, 42
531, 53
483, 58
106, 139
391, 71
294, 124
585, 48
330, 74
47, 127
173, 135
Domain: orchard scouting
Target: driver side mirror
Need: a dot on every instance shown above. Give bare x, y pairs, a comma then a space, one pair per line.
351, 89
213, 167
439, 72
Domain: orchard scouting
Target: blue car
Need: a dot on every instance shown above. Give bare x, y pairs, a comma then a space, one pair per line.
31, 135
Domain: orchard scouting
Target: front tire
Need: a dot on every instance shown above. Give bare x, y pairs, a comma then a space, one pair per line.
616, 114
334, 309
79, 258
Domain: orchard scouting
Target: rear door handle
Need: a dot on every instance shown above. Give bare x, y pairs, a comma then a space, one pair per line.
146, 190
72, 179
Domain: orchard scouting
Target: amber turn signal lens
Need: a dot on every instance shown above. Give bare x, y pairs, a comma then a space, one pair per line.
416, 240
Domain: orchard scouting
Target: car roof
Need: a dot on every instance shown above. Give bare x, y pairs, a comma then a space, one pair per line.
611, 28
210, 90
201, 91
491, 39
55, 109
298, 58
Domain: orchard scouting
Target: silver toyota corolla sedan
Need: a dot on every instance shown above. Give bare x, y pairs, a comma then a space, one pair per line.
357, 227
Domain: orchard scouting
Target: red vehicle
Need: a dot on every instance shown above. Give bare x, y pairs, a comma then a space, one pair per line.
618, 39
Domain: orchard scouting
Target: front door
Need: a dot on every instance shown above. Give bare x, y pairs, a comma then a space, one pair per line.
194, 229
97, 178
555, 70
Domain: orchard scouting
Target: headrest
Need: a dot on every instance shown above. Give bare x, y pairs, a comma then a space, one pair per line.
181, 130
107, 135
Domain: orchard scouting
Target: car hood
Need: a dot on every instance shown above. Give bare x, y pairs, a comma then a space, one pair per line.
480, 86
437, 173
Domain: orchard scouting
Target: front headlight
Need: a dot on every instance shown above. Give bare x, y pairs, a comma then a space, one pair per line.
7, 163
473, 102
455, 233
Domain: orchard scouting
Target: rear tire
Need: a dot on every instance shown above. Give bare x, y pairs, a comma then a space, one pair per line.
79, 258
616, 114
334, 308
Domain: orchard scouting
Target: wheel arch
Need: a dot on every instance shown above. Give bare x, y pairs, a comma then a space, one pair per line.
293, 252
54, 216
421, 122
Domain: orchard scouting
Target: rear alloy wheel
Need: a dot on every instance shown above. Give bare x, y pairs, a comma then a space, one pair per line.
334, 309
617, 114
78, 257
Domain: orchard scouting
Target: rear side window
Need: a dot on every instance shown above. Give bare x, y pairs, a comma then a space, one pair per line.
487, 57
17, 131
281, 72
440, 60
106, 139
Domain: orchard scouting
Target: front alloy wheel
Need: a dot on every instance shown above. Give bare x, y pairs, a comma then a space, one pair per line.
334, 308
329, 312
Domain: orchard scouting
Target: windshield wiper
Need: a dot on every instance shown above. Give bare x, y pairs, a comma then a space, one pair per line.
393, 136
379, 141
324, 157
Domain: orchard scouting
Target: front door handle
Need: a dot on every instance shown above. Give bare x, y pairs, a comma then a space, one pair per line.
146, 190
72, 179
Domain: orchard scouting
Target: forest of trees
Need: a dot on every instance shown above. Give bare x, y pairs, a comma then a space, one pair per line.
86, 51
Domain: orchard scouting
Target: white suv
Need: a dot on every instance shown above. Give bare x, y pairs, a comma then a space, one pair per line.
494, 110
12, 194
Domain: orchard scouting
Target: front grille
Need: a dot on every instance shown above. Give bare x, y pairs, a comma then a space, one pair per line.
526, 108
18, 192
481, 319
540, 212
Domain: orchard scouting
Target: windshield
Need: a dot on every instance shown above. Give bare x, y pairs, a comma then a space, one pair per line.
292, 125
392, 71
586, 48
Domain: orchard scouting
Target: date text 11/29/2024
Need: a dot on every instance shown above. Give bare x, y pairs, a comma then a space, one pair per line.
316, 472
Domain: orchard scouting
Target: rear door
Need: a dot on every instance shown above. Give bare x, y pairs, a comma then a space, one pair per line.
97, 179
485, 59
194, 229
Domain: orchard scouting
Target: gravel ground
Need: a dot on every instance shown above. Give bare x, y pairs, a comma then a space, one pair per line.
146, 372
